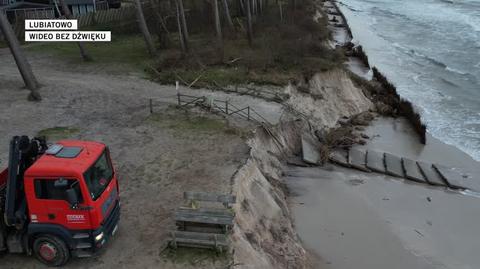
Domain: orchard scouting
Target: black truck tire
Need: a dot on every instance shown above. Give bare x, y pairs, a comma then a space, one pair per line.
51, 250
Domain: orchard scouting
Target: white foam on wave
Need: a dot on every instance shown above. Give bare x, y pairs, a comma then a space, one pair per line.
448, 68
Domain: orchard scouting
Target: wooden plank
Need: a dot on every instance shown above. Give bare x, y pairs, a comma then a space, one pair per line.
209, 197
202, 217
340, 157
199, 240
375, 161
431, 175
310, 152
207, 211
412, 171
200, 236
455, 180
393, 165
357, 159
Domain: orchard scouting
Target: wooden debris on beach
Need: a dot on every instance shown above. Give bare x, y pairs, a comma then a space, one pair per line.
297, 161
340, 157
455, 180
412, 171
357, 159
375, 161
310, 153
430, 174
393, 165
387, 163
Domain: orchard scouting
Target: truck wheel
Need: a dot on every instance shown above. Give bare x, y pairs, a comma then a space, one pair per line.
51, 250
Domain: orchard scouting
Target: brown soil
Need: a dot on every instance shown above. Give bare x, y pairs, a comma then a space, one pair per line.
158, 157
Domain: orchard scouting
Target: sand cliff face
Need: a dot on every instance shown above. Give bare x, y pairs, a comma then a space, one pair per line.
332, 95
264, 235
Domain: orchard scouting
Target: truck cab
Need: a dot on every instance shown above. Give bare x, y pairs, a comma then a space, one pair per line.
67, 203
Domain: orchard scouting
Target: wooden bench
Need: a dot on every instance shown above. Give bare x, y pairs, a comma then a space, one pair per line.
219, 242
204, 227
204, 219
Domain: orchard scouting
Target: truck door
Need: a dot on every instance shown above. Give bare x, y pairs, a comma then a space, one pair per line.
51, 205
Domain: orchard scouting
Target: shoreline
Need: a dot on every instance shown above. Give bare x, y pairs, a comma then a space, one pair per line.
341, 6
388, 94
353, 219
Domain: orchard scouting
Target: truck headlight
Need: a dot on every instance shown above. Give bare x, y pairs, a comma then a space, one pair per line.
99, 237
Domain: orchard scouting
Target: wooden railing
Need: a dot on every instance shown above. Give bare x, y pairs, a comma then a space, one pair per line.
222, 106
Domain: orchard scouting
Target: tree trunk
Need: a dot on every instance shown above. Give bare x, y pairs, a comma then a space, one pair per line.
184, 21
22, 63
161, 30
142, 24
281, 11
218, 28
249, 24
68, 15
242, 7
227, 14
181, 37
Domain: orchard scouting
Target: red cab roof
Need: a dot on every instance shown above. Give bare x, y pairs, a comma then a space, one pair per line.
54, 166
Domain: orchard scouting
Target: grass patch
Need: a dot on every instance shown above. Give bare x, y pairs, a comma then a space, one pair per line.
124, 49
58, 133
3, 44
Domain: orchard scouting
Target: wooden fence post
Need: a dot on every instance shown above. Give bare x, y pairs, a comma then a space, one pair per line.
226, 107
151, 106
248, 112
178, 92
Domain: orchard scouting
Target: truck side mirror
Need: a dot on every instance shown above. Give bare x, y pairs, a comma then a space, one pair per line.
72, 197
60, 183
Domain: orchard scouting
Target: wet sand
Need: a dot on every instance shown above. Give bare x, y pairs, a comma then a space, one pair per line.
362, 220
396, 136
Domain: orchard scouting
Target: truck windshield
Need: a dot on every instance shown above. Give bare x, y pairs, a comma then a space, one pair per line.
99, 176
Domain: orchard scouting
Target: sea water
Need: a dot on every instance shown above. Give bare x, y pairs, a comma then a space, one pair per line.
430, 49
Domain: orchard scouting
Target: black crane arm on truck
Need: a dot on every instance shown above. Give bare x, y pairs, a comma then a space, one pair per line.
22, 154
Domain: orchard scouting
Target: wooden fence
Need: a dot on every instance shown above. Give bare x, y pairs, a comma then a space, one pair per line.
31, 13
225, 107
106, 16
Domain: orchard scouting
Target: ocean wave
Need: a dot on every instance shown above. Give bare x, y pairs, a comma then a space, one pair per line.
450, 83
453, 70
390, 14
447, 1
350, 7
432, 60
415, 53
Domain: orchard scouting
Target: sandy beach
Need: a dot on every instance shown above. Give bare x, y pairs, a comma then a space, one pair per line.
353, 219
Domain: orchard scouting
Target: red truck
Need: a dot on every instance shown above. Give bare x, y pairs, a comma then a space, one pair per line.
57, 201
